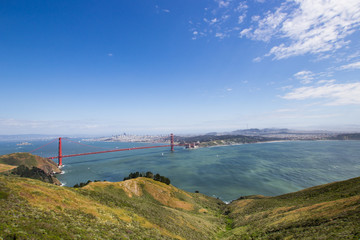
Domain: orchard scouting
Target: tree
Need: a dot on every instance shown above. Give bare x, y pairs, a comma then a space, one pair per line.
149, 175
157, 177
166, 180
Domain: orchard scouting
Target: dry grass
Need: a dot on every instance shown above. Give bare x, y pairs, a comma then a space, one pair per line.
165, 194
326, 211
61, 198
6, 167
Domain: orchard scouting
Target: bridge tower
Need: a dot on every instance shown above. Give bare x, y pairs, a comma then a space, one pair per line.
172, 142
60, 153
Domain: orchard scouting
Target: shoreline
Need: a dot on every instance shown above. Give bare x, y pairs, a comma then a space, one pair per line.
273, 141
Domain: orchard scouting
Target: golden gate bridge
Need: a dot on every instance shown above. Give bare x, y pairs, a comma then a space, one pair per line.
60, 156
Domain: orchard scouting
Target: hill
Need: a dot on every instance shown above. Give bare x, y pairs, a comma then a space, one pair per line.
29, 160
330, 211
142, 208
32, 166
134, 209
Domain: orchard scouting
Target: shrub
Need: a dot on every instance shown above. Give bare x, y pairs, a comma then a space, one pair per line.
156, 177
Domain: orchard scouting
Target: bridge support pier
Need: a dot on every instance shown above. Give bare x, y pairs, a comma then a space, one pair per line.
60, 153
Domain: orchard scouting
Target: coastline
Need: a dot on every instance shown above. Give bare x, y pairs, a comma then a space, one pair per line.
274, 141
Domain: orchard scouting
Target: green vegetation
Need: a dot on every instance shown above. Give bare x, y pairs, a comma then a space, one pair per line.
134, 209
30, 166
82, 184
330, 211
143, 207
17, 159
35, 173
156, 177
29, 160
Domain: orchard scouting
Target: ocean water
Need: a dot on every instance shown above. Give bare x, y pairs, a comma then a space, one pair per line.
227, 172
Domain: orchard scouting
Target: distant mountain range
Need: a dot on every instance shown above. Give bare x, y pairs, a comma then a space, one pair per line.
268, 131
255, 135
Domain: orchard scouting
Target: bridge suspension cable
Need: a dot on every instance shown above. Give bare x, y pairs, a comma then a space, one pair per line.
43, 145
61, 156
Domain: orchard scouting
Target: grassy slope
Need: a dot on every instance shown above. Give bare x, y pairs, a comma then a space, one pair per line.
145, 209
134, 209
29, 160
330, 211
6, 167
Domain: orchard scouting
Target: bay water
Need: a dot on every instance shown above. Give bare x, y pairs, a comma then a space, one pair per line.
226, 172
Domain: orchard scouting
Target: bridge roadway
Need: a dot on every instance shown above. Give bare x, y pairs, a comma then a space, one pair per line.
108, 151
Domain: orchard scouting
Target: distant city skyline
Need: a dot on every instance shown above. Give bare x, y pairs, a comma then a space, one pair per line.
146, 67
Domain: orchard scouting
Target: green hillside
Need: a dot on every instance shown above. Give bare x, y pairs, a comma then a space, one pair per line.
29, 160
142, 208
330, 211
31, 166
134, 209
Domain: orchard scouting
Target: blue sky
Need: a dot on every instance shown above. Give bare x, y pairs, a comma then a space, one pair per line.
160, 66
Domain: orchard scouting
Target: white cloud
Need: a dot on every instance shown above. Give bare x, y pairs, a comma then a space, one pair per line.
286, 87
268, 26
257, 59
326, 81
355, 54
335, 94
158, 9
214, 20
223, 4
308, 26
355, 65
246, 32
110, 54
241, 18
241, 6
225, 16
284, 110
220, 35
255, 18
306, 77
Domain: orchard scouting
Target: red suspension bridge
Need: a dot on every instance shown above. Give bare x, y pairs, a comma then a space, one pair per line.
60, 156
